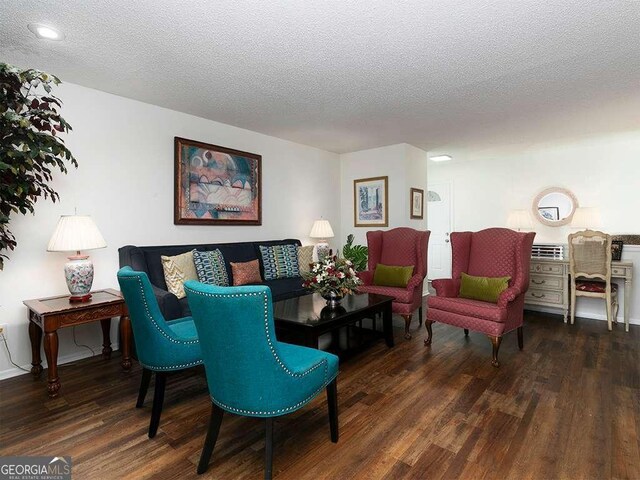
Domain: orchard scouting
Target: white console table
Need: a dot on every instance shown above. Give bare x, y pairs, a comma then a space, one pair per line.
549, 284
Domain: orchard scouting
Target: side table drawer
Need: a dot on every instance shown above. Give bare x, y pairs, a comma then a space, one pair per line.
536, 295
547, 282
546, 268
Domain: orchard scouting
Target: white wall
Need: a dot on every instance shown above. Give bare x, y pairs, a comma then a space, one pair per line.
601, 171
406, 167
125, 182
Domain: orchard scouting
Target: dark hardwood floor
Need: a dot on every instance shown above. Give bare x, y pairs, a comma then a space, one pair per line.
568, 406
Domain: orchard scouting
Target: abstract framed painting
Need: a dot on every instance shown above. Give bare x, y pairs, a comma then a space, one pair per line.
417, 203
216, 185
371, 202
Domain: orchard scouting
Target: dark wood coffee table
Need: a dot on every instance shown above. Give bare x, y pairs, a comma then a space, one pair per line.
302, 320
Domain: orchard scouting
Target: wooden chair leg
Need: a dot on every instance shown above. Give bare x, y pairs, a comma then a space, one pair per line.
495, 341
573, 302
212, 436
407, 323
144, 386
332, 401
268, 449
420, 316
427, 324
158, 400
520, 339
466, 332
609, 312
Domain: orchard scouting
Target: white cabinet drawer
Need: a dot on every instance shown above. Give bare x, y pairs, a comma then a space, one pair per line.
535, 295
546, 268
547, 282
620, 271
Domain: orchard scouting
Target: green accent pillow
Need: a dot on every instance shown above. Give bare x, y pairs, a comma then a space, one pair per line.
487, 289
390, 276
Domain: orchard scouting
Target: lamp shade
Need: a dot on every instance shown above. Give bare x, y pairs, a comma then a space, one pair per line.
586, 217
519, 219
75, 233
321, 229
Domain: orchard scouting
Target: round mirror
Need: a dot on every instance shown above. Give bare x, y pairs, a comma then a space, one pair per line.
554, 206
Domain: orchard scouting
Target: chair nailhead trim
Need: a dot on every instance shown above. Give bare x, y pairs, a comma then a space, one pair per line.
172, 367
280, 411
153, 321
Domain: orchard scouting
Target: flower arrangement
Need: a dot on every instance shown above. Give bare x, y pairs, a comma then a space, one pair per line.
332, 278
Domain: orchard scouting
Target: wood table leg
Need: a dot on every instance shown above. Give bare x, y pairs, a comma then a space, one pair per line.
125, 338
627, 299
387, 326
35, 336
311, 340
51, 352
106, 338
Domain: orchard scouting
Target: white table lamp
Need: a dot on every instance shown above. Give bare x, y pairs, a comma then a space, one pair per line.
586, 218
519, 220
322, 231
73, 234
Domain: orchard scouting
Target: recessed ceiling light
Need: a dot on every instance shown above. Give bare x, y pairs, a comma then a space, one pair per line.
441, 158
45, 31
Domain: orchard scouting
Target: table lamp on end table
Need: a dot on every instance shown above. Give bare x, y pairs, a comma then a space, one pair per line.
322, 231
75, 233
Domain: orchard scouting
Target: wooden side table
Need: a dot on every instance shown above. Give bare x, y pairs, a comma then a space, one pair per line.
48, 314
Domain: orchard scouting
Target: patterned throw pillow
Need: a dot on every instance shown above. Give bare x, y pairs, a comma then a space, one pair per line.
246, 272
210, 267
177, 270
280, 261
305, 257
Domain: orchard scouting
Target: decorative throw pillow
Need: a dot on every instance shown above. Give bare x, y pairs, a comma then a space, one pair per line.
487, 289
305, 258
390, 276
210, 267
177, 270
246, 272
280, 261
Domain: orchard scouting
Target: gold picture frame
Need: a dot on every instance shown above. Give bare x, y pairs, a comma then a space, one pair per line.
371, 202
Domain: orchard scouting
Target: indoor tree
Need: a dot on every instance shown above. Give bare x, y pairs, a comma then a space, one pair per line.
30, 149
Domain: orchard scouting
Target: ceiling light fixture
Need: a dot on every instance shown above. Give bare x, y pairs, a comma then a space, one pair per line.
44, 31
441, 158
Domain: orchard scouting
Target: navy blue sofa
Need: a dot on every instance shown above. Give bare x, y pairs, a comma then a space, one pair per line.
147, 259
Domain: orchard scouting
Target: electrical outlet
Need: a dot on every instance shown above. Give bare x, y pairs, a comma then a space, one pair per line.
3, 331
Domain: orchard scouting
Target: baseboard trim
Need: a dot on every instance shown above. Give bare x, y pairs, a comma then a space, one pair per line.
62, 360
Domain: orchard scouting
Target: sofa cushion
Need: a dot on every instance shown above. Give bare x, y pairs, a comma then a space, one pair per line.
177, 270
485, 289
246, 273
279, 261
468, 307
305, 258
211, 268
284, 288
391, 276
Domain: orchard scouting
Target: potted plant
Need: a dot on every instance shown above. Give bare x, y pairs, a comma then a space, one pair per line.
30, 149
357, 254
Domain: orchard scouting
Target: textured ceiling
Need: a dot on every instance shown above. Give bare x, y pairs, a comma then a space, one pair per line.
346, 75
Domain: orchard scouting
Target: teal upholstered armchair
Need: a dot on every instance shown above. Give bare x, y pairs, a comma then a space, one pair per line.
248, 371
161, 346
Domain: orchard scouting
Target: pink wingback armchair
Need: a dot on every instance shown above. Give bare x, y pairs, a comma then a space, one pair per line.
398, 247
494, 252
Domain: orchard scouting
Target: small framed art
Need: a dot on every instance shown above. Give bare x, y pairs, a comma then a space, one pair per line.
616, 250
216, 185
371, 202
417, 203
549, 213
